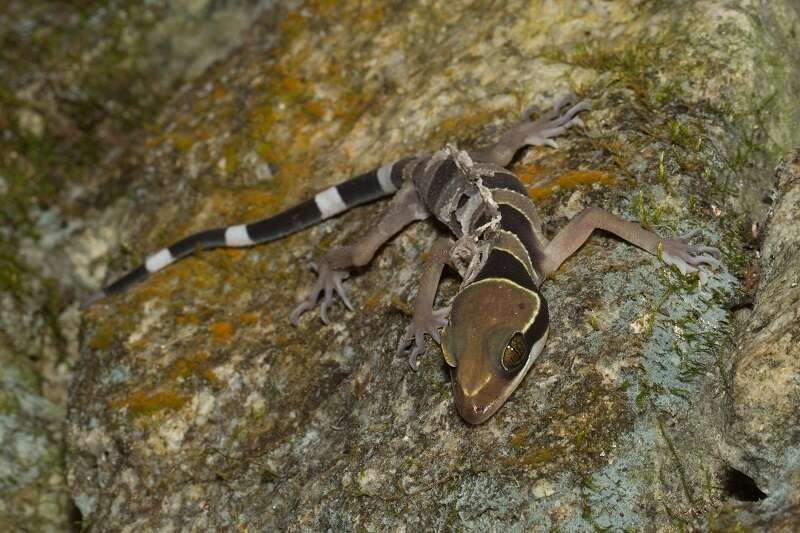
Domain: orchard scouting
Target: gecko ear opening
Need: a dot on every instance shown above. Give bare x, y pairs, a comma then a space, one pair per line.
446, 351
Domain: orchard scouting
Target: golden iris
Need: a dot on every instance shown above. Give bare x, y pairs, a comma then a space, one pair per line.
514, 353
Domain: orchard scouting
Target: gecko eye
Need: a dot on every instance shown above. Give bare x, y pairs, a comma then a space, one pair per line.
514, 353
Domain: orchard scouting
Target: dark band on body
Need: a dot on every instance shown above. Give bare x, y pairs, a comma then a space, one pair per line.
134, 276
505, 180
443, 175
515, 222
540, 324
501, 264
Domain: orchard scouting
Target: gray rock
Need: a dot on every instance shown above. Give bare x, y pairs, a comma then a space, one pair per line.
761, 431
196, 406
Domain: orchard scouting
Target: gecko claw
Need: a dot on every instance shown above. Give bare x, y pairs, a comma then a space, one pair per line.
328, 281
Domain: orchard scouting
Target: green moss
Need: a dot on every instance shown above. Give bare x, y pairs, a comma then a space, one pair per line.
9, 403
647, 211
103, 336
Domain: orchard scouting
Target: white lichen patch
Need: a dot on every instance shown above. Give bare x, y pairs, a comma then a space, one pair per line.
543, 489
610, 370
641, 324
203, 404
403, 407
574, 205
90, 248
370, 481
173, 431
151, 321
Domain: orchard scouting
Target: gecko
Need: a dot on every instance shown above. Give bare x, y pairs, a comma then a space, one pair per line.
497, 324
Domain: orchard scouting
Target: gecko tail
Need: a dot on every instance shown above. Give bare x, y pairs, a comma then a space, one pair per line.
93, 299
361, 189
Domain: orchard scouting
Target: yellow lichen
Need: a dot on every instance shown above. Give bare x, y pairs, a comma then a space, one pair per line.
373, 301
190, 319
195, 365
528, 173
103, 336
537, 456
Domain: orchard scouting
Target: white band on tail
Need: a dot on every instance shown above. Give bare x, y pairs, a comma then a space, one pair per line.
329, 202
238, 236
158, 260
385, 179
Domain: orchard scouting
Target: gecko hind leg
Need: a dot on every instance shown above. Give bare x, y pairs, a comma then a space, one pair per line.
552, 123
675, 251
541, 131
335, 267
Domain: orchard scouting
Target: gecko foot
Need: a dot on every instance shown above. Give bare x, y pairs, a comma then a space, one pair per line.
687, 257
413, 340
328, 281
552, 123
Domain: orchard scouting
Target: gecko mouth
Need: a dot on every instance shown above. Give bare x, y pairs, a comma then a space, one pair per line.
471, 408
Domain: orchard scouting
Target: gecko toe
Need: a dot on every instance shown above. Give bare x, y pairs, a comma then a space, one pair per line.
418, 348
703, 259
342, 292
686, 237
705, 250
301, 308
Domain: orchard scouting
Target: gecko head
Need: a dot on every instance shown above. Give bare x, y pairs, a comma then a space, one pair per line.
497, 329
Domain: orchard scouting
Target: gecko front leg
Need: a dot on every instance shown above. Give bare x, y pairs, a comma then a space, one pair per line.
426, 319
335, 267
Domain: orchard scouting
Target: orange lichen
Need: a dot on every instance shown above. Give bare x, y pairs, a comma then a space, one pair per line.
220, 92
187, 366
190, 319
518, 438
144, 403
527, 174
221, 331
373, 301
570, 180
234, 253
249, 318
210, 376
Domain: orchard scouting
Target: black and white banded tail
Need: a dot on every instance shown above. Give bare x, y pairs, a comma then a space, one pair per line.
367, 187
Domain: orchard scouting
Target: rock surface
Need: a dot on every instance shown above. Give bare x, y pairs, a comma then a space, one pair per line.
78, 83
762, 429
196, 406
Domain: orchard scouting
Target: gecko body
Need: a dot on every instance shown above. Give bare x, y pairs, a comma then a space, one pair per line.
498, 321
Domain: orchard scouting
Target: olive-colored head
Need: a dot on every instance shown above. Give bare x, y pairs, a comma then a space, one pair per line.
497, 330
